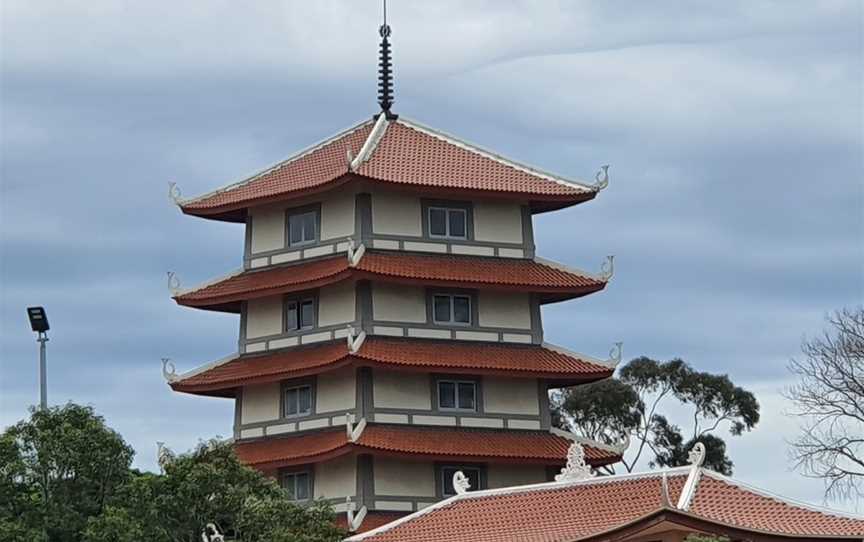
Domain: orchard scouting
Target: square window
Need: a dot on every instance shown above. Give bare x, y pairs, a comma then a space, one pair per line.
447, 222
302, 228
299, 314
447, 473
298, 400
451, 309
457, 395
297, 485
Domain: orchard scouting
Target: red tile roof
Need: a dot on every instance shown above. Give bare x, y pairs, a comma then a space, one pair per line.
430, 270
597, 508
408, 155
372, 520
438, 443
410, 354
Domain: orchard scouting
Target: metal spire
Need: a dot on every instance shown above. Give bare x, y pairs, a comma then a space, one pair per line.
385, 69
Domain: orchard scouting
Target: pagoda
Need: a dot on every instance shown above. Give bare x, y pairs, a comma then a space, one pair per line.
390, 319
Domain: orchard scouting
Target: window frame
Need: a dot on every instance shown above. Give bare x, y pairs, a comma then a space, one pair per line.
315, 209
299, 298
473, 309
294, 384
437, 380
440, 481
447, 205
310, 477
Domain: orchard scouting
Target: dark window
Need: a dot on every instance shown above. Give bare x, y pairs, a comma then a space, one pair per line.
302, 228
448, 222
457, 395
297, 484
299, 314
472, 473
298, 400
451, 309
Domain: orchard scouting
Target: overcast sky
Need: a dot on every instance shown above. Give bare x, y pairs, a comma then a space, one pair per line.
735, 208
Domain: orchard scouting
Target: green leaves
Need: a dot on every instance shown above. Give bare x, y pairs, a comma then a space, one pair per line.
630, 404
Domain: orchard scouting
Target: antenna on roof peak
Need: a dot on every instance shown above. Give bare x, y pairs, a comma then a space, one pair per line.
385, 69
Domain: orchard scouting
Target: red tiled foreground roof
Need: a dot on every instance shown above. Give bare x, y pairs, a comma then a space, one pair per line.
407, 155
372, 521
430, 270
614, 508
438, 443
527, 361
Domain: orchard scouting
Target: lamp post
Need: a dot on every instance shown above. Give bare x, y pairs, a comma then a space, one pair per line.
39, 324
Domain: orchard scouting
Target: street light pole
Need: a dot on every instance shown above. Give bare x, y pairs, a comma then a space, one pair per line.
39, 324
42, 338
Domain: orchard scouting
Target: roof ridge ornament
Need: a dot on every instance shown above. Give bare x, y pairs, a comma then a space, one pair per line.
461, 483
164, 456
169, 372
615, 355
355, 254
607, 268
354, 432
173, 283
385, 69
696, 458
601, 178
354, 520
174, 193
576, 467
355, 340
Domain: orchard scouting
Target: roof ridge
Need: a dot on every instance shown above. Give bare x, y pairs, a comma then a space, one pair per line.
486, 153
610, 363
371, 143
778, 498
570, 269
231, 274
201, 368
276, 165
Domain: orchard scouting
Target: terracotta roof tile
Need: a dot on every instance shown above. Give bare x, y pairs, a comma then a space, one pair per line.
532, 447
408, 155
569, 511
417, 354
372, 520
444, 270
725, 502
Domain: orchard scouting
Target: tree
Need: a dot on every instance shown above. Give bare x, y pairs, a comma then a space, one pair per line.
829, 402
629, 407
58, 469
209, 485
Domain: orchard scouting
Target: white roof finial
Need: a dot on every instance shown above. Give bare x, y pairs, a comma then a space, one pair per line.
576, 467
461, 484
602, 178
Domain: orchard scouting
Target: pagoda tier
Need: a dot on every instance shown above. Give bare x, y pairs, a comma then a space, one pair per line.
395, 153
551, 281
554, 365
426, 443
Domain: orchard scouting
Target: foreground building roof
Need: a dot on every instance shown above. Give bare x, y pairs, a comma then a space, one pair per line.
619, 507
375, 151
435, 443
554, 282
526, 361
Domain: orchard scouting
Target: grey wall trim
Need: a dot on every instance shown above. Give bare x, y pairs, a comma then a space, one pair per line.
467, 206
536, 320
459, 414
363, 305
241, 340
238, 412
543, 397
365, 481
478, 394
247, 246
447, 241
297, 419
475, 307
363, 217
365, 399
300, 249
500, 331
301, 333
528, 231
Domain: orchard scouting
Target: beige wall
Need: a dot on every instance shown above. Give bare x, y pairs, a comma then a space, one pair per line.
514, 475
511, 396
392, 302
263, 316
260, 403
497, 222
336, 304
395, 213
405, 478
498, 309
335, 391
336, 478
268, 229
337, 215
393, 389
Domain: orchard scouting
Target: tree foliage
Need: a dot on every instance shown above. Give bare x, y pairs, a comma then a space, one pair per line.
66, 477
629, 407
829, 402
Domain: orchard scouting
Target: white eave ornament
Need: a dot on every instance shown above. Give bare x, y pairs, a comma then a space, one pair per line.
354, 519
696, 457
174, 194
169, 372
355, 253
354, 432
173, 283
461, 484
601, 179
607, 268
355, 340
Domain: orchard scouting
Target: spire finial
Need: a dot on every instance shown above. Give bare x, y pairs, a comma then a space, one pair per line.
385, 69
